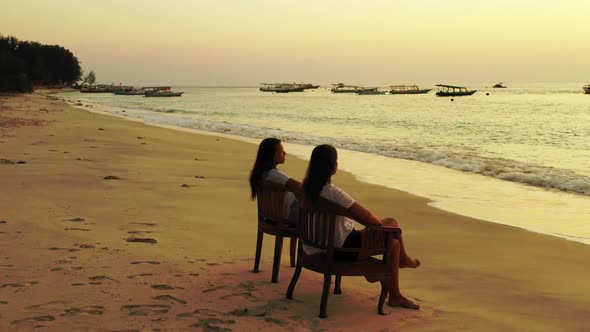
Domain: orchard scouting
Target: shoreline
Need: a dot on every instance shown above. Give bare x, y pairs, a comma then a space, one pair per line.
475, 275
569, 207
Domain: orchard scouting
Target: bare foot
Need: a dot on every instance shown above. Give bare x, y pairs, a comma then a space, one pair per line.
403, 302
409, 262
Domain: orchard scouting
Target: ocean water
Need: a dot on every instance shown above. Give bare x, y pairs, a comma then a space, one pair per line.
518, 156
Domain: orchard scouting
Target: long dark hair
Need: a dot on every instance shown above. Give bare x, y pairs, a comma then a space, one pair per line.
319, 172
264, 162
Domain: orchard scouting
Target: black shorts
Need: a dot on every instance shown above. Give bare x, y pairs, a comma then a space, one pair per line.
353, 240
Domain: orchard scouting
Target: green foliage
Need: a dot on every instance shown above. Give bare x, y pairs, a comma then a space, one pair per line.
24, 64
89, 79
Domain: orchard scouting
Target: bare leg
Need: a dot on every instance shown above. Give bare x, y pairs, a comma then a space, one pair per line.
405, 260
396, 299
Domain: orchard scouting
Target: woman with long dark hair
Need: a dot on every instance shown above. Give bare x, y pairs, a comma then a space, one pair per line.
317, 183
270, 154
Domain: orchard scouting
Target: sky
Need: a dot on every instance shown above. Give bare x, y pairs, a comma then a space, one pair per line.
369, 42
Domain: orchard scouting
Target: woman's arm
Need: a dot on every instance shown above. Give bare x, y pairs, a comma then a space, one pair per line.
293, 185
363, 215
367, 218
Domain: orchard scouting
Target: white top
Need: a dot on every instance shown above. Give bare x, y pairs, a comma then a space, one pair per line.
275, 176
344, 225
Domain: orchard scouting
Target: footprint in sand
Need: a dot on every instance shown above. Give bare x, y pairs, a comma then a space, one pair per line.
34, 319
165, 287
140, 275
212, 289
86, 246
146, 262
3, 302
169, 298
51, 305
76, 229
144, 224
89, 310
200, 312
146, 309
96, 278
11, 285
246, 295
64, 249
140, 232
212, 324
3, 221
141, 240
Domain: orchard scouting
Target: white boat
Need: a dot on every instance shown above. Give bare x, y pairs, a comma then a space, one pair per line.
343, 88
161, 91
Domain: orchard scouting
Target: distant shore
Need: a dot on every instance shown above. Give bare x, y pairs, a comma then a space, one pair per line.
166, 241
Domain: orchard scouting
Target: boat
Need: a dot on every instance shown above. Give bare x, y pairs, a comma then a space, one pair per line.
407, 90
453, 91
128, 91
499, 86
587, 89
343, 88
371, 91
161, 91
310, 86
282, 87
99, 88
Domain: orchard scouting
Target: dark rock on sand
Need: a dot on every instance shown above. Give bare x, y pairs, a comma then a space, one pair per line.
111, 177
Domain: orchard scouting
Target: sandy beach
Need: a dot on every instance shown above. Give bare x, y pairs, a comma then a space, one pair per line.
114, 225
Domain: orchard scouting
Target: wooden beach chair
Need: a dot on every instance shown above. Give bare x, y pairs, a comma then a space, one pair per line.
271, 220
316, 229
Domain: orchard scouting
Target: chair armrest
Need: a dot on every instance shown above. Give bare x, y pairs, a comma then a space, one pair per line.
387, 229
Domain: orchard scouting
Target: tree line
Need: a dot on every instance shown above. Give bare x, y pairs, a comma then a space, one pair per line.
24, 64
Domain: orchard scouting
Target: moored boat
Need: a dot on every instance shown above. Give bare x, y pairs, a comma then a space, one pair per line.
587, 89
98, 88
129, 91
161, 91
453, 91
343, 88
283, 87
407, 90
371, 91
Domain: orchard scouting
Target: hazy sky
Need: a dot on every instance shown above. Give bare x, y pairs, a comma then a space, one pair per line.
245, 42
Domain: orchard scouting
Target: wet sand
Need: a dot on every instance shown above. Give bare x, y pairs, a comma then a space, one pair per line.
114, 225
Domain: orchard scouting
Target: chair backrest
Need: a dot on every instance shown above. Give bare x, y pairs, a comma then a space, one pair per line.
317, 223
270, 198
317, 226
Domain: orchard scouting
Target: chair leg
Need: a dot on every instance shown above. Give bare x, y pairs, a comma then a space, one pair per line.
337, 289
276, 264
293, 282
382, 298
325, 294
293, 250
258, 250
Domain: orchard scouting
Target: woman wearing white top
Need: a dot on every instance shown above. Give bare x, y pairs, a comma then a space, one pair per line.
270, 154
322, 165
